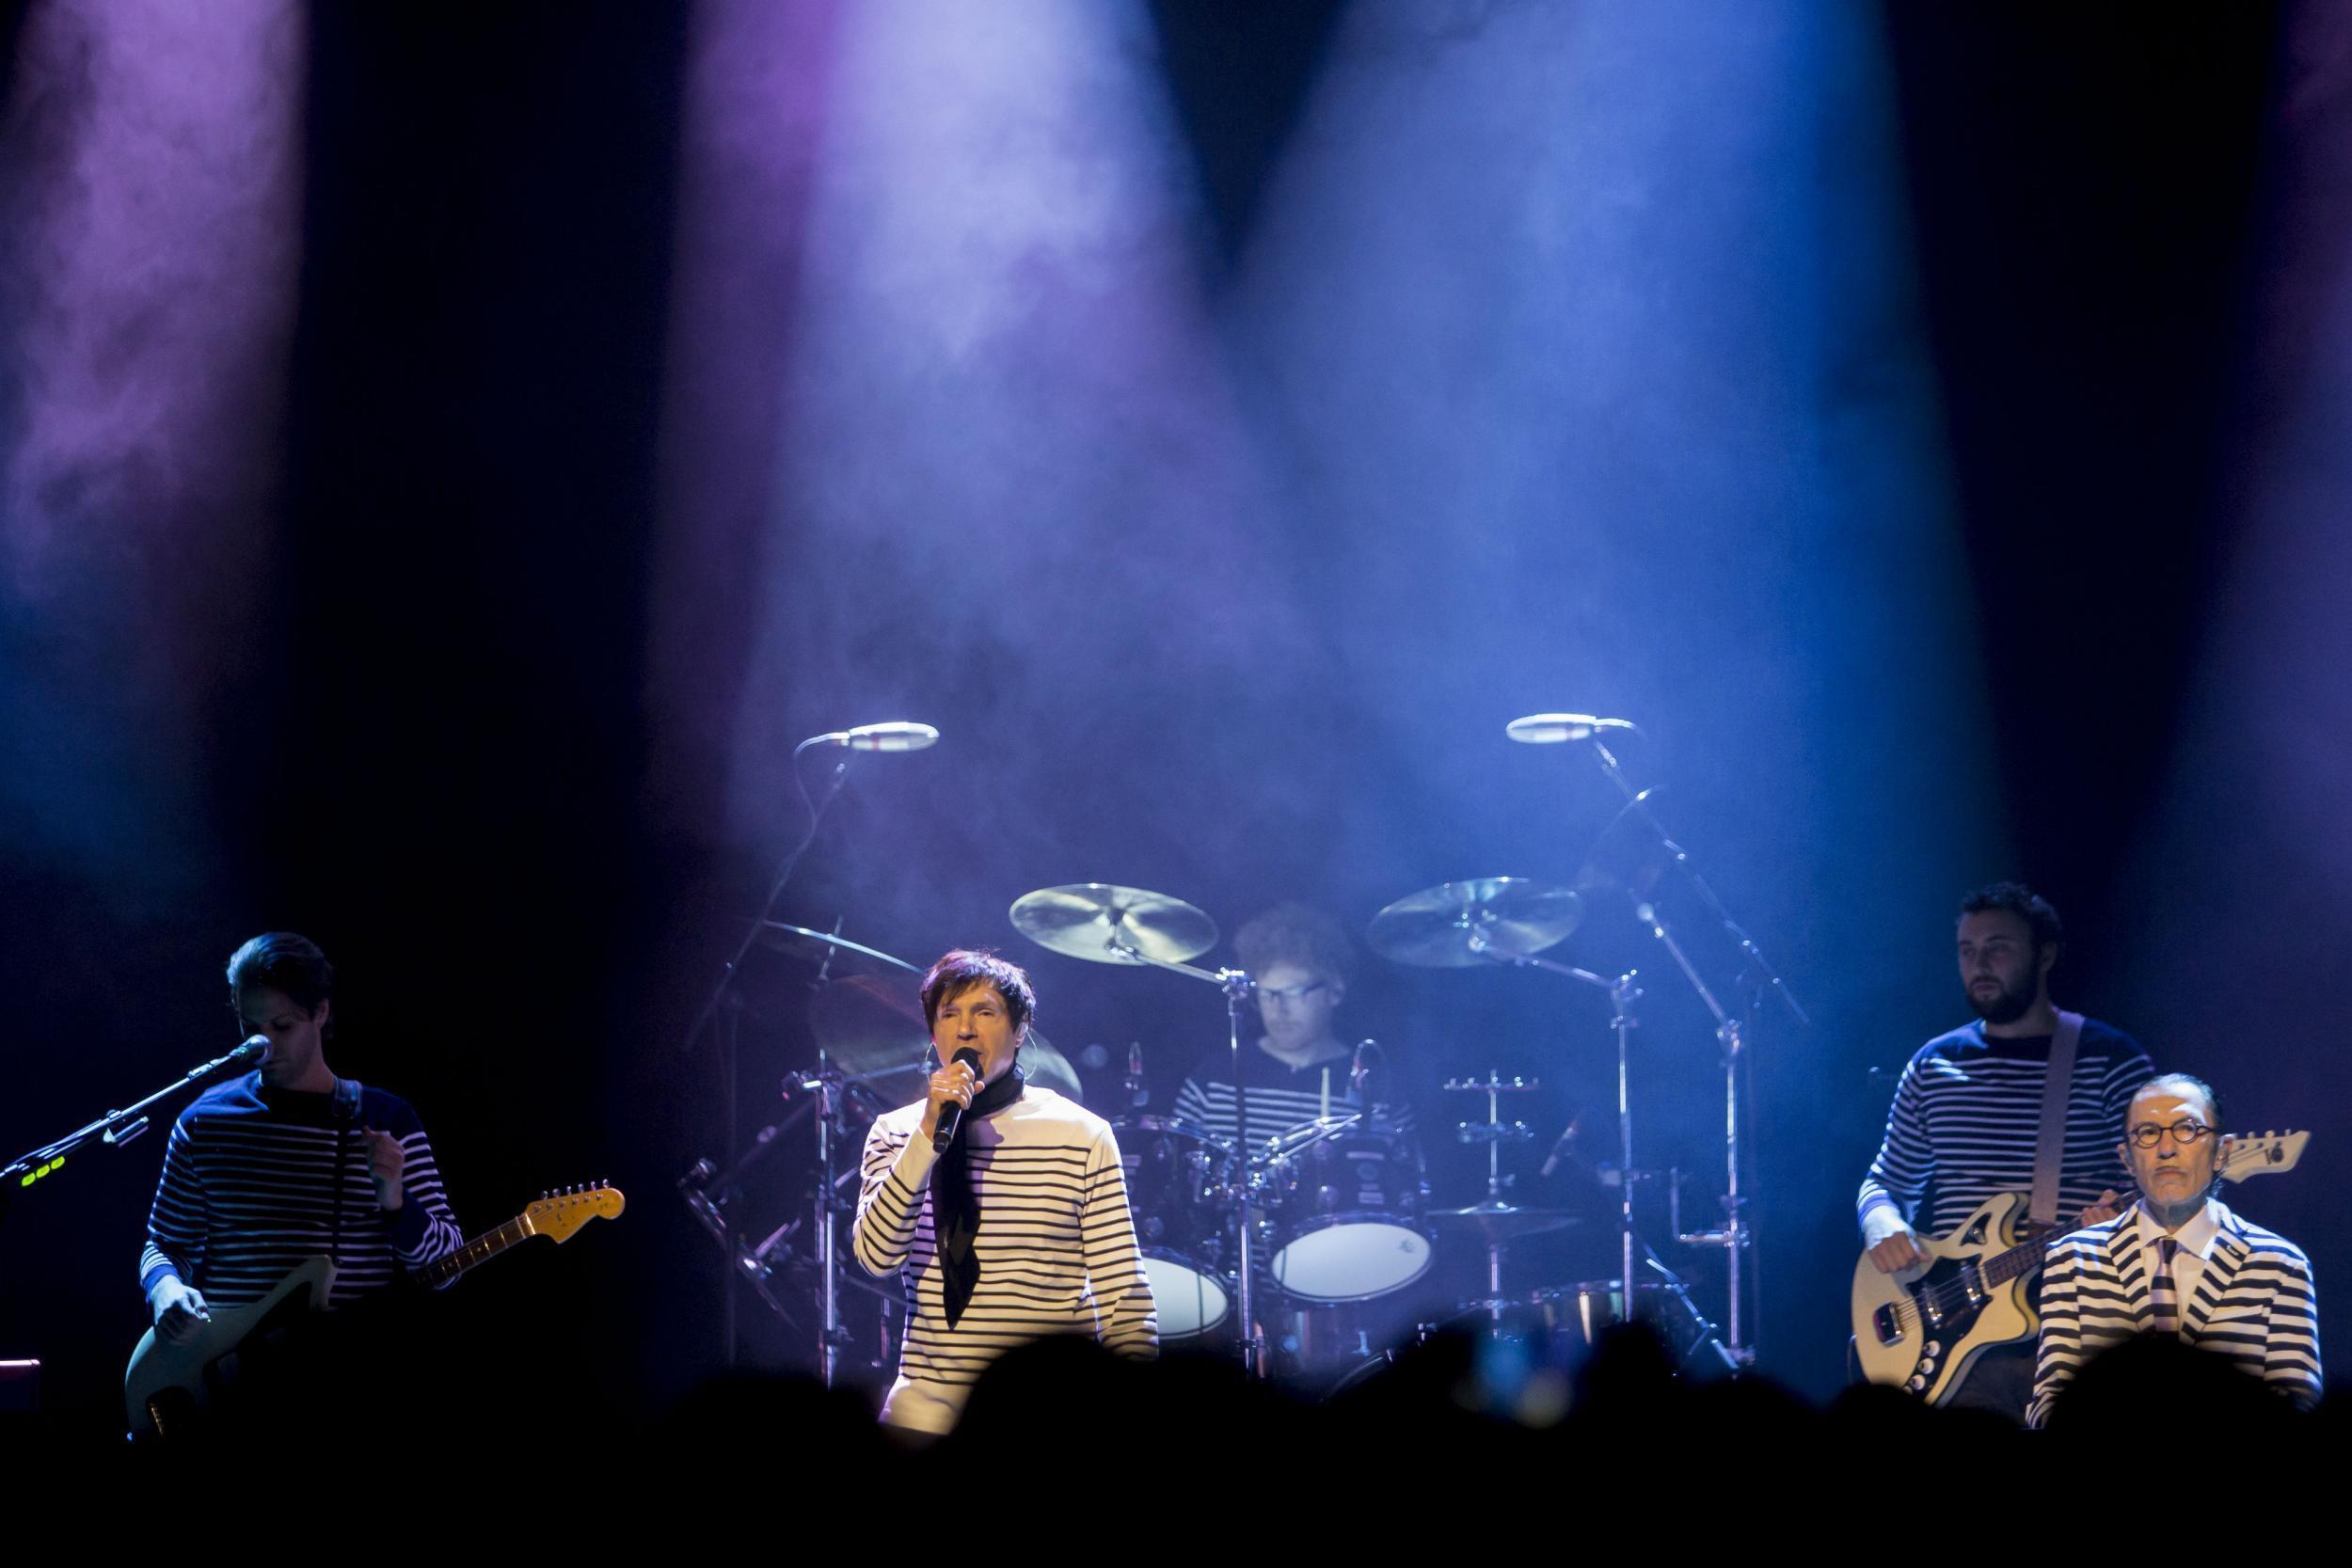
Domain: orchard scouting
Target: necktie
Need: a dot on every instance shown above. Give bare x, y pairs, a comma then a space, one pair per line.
955, 1208
2161, 1296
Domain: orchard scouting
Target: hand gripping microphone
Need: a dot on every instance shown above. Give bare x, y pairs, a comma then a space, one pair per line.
951, 1113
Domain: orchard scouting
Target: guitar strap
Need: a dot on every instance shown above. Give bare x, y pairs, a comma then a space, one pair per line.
345, 1110
2049, 1147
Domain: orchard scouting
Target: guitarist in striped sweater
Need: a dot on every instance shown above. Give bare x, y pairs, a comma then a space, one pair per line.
268, 1169
1965, 1122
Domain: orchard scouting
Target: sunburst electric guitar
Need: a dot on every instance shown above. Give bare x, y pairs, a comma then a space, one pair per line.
1920, 1330
166, 1382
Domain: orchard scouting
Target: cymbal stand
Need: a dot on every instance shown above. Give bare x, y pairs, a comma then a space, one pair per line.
1236, 985
1623, 994
1735, 1236
1494, 1133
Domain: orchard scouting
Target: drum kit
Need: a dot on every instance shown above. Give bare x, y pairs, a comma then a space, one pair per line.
1287, 1250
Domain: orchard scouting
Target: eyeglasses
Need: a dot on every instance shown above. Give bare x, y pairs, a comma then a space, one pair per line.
2186, 1133
1293, 994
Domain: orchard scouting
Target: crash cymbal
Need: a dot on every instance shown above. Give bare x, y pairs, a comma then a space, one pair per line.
871, 1028
1082, 919
819, 944
1432, 928
1495, 1223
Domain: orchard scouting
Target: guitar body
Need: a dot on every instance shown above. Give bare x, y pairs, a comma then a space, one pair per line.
1921, 1330
167, 1384
168, 1387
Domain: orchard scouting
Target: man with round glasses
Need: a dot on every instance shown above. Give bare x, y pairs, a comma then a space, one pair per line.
2178, 1262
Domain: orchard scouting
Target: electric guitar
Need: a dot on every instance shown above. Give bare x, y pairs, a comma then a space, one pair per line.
166, 1382
1921, 1330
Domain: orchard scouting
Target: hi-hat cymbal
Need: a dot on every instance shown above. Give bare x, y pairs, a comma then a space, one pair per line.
1092, 920
871, 1028
1494, 1222
1434, 929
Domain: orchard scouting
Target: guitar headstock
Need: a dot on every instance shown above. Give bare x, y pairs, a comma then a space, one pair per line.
2262, 1155
557, 1214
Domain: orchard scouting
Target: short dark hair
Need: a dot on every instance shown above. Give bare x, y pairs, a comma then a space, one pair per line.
1296, 934
2041, 921
281, 961
964, 969
2179, 1081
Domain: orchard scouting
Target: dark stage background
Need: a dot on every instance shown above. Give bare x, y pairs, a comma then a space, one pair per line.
452, 453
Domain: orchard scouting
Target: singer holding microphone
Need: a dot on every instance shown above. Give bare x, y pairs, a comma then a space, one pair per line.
1002, 1205
288, 1161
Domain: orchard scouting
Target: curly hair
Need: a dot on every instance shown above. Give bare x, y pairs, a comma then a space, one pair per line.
1296, 934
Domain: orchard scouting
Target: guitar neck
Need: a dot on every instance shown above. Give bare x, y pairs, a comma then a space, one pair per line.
480, 1250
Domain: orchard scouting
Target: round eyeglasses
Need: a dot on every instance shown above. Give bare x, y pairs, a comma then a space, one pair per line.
2186, 1133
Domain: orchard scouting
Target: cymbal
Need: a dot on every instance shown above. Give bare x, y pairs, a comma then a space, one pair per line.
800, 938
1082, 918
1496, 1222
872, 1027
1432, 928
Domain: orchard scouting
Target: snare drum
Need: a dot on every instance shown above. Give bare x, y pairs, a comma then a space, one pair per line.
1179, 1187
1578, 1315
1345, 1206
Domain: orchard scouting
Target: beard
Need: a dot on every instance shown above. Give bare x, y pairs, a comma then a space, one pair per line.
2007, 1005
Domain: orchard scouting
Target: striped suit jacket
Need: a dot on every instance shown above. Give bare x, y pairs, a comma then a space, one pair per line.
2255, 1305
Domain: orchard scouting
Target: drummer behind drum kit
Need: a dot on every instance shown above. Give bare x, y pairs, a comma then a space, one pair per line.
1330, 1217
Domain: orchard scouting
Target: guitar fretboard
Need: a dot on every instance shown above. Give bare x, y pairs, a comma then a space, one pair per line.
481, 1249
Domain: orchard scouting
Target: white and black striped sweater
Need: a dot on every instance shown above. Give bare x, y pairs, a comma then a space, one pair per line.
249, 1188
2254, 1303
1967, 1110
1056, 1246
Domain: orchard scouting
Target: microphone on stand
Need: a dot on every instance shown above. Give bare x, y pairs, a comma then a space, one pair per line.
1551, 729
253, 1053
899, 734
951, 1113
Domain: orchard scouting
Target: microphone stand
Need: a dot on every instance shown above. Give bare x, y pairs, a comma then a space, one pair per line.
112, 1130
1237, 985
729, 1056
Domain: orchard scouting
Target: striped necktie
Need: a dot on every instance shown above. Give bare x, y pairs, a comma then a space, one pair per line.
2160, 1292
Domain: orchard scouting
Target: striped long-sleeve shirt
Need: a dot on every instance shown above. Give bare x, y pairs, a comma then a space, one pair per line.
250, 1189
1966, 1114
2254, 1303
1056, 1246
1281, 1098
1969, 1108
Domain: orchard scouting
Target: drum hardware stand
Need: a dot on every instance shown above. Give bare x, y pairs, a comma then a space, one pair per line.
1623, 994
1236, 985
1736, 1235
1494, 1133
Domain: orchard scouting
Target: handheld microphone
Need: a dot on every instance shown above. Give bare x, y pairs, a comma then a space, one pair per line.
899, 734
1549, 729
951, 1113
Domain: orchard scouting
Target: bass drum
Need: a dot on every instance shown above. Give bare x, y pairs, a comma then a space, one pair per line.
1180, 1187
1346, 1209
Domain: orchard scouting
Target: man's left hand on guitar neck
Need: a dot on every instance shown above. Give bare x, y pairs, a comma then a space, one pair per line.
386, 1159
2102, 1208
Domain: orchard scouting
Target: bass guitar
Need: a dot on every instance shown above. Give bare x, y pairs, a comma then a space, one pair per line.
167, 1384
1921, 1330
